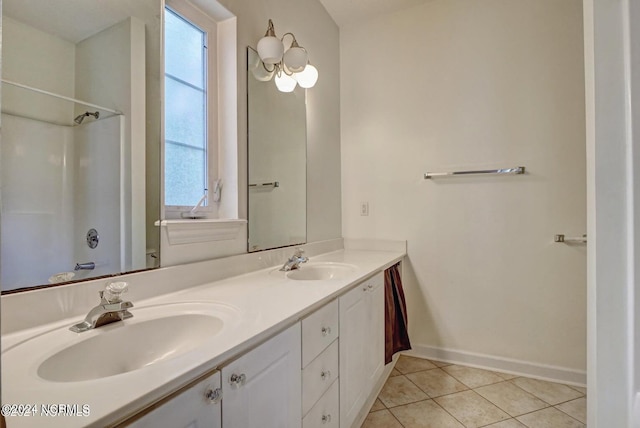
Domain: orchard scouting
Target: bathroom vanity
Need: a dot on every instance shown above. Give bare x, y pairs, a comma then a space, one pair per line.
262, 348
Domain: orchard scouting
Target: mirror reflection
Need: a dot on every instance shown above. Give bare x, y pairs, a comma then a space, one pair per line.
277, 161
77, 81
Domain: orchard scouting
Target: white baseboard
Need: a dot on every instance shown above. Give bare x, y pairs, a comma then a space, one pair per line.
499, 364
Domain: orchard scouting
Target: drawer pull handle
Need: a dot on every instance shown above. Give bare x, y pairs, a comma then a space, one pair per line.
213, 395
237, 380
325, 375
326, 419
326, 331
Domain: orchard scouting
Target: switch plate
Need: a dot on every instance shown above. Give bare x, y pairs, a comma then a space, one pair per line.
364, 208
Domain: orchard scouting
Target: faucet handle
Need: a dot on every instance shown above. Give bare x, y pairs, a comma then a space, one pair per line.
299, 252
113, 290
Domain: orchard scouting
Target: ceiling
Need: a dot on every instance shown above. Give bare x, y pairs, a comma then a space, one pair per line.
74, 20
346, 12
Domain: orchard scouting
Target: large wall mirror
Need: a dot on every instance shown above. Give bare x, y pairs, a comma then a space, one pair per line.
80, 139
277, 130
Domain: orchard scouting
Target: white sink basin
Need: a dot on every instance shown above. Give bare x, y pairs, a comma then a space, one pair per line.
155, 334
321, 271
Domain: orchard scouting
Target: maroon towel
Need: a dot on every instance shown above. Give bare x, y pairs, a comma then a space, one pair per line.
395, 317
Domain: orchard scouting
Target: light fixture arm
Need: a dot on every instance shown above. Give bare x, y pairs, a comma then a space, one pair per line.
275, 66
271, 32
294, 42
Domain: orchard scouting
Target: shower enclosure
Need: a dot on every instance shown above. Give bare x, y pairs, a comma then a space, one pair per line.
72, 167
60, 179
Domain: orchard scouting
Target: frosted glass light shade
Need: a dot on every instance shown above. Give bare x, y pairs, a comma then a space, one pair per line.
295, 59
285, 83
308, 77
270, 49
258, 71
261, 74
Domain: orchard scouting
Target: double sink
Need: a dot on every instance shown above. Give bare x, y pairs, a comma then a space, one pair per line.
154, 336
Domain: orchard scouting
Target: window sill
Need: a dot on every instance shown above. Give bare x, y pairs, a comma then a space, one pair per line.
186, 231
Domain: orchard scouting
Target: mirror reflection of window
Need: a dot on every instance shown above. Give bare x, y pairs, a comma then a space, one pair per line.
186, 142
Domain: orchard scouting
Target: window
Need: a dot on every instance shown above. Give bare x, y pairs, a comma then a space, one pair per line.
189, 145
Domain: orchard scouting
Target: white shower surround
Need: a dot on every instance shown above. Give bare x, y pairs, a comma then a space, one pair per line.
59, 181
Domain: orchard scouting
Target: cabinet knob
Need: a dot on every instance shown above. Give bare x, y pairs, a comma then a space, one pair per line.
326, 419
326, 374
237, 380
213, 395
326, 331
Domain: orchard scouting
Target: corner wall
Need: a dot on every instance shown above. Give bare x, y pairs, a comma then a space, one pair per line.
456, 85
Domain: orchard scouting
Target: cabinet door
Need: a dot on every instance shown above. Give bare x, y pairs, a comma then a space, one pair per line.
353, 349
375, 334
262, 388
196, 407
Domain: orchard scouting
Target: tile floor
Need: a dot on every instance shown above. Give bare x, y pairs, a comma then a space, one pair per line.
428, 394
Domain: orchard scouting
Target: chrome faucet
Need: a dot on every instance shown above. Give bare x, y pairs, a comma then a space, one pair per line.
294, 261
111, 308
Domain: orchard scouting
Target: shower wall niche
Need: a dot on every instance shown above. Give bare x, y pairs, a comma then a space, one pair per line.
60, 178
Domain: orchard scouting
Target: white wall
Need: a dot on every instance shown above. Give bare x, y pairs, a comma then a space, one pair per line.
37, 201
34, 58
36, 156
97, 195
612, 57
472, 85
110, 71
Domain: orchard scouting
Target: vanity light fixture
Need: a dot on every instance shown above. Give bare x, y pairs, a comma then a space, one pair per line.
290, 66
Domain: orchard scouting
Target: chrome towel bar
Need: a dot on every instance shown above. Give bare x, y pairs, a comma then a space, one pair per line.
515, 170
270, 184
562, 238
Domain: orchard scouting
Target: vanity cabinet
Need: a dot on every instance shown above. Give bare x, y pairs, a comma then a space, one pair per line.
197, 406
262, 387
318, 373
361, 345
320, 368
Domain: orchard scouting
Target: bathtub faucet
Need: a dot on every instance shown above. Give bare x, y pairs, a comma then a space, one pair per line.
85, 266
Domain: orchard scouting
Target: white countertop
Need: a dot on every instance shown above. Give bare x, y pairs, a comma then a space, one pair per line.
266, 301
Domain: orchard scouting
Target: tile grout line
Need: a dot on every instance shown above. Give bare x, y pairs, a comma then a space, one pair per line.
434, 401
560, 410
510, 417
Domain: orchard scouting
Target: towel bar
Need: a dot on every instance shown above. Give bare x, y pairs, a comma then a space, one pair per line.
270, 184
562, 238
515, 170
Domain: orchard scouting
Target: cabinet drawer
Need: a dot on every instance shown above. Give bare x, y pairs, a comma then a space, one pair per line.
318, 376
326, 412
318, 331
